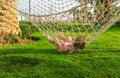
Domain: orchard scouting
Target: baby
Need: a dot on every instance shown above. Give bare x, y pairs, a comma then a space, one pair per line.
65, 43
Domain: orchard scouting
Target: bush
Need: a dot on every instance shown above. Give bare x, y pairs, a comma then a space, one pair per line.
117, 24
12, 39
27, 30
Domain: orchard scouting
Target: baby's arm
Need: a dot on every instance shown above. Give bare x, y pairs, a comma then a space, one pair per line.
66, 39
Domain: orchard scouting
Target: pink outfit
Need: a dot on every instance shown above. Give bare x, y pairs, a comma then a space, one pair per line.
67, 43
65, 47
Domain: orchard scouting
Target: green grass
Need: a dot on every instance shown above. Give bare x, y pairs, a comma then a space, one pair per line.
40, 59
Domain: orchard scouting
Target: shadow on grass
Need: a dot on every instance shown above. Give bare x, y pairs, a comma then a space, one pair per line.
24, 59
16, 63
15, 59
28, 51
52, 51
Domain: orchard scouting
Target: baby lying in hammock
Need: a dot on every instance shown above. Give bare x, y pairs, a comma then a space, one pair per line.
65, 43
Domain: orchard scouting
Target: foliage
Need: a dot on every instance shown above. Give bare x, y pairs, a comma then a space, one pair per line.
12, 39
117, 24
27, 29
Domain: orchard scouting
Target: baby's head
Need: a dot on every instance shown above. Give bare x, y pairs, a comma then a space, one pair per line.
80, 42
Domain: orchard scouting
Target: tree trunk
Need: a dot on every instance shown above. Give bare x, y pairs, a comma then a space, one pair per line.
9, 24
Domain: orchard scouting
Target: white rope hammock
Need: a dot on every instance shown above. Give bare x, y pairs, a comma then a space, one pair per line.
88, 18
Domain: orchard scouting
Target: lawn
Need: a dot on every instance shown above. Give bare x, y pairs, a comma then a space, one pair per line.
40, 59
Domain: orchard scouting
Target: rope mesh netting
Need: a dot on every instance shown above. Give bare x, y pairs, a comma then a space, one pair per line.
88, 18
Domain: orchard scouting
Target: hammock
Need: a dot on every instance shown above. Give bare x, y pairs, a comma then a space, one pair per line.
89, 18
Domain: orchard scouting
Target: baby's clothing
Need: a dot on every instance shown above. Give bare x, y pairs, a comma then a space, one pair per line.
68, 43
66, 47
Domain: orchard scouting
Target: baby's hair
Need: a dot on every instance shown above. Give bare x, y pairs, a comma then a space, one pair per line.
80, 42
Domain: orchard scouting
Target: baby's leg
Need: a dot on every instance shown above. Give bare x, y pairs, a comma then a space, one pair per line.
55, 41
50, 39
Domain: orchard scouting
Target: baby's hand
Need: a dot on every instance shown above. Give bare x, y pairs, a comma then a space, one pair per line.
69, 39
48, 37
